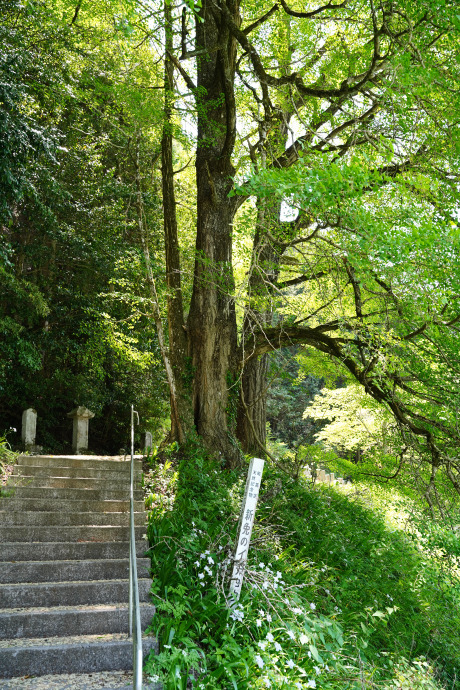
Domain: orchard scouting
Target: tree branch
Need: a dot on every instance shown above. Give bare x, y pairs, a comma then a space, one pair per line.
299, 280
261, 20
188, 80
307, 15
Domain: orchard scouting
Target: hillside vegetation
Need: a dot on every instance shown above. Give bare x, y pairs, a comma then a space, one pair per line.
346, 587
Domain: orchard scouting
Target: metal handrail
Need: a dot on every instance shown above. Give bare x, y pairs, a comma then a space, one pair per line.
134, 609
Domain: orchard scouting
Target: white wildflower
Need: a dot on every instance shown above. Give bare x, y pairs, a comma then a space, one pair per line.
313, 606
258, 623
201, 575
269, 618
311, 684
290, 663
259, 661
270, 637
262, 645
278, 647
303, 638
290, 634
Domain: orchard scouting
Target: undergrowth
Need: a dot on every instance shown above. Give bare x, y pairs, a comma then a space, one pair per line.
7, 460
334, 595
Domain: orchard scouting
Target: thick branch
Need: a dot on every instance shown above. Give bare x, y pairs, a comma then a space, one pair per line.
307, 15
261, 20
349, 86
300, 279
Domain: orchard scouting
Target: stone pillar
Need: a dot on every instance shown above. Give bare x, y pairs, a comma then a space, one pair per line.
321, 476
81, 416
148, 440
29, 428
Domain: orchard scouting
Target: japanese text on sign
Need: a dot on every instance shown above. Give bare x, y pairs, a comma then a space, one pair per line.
248, 510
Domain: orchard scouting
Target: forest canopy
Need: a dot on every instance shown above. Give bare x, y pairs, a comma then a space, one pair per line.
188, 188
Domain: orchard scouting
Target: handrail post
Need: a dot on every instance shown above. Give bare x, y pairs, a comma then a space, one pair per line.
134, 612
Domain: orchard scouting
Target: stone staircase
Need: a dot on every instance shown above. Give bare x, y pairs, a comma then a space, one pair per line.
64, 566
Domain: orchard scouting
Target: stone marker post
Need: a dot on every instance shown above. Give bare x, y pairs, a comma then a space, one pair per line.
81, 416
148, 440
248, 509
29, 428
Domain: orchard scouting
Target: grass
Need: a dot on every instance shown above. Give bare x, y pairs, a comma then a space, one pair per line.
345, 588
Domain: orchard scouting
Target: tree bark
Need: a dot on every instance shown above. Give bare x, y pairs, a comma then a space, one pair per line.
212, 319
181, 415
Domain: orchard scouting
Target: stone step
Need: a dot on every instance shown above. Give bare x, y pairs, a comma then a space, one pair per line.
102, 533
69, 506
67, 551
90, 461
87, 483
108, 680
71, 570
97, 619
116, 476
70, 593
82, 654
73, 494
65, 519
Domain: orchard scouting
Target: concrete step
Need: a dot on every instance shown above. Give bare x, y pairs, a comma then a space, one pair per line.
11, 518
83, 654
69, 506
64, 571
55, 551
101, 533
115, 476
108, 680
103, 463
20, 492
97, 619
69, 483
70, 593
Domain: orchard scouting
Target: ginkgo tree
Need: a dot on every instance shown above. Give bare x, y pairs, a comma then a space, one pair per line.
334, 127
325, 189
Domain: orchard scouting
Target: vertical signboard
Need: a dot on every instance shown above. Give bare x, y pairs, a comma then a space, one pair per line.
248, 509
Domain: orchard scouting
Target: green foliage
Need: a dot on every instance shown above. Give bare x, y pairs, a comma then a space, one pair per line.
7, 460
355, 420
337, 590
75, 315
289, 393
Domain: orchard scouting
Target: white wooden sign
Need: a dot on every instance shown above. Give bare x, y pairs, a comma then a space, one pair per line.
248, 509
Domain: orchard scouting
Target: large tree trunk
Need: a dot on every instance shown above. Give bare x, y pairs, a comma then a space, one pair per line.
181, 413
251, 418
212, 320
251, 415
